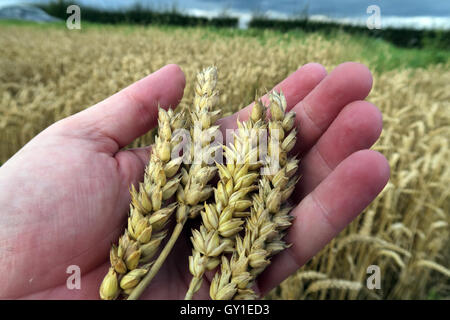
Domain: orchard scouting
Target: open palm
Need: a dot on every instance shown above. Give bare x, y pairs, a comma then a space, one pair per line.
64, 196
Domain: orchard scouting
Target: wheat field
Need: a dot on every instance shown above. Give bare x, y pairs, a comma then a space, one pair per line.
48, 73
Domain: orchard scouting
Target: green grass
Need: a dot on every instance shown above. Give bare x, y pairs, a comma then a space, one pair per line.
433, 295
382, 55
385, 56
7, 22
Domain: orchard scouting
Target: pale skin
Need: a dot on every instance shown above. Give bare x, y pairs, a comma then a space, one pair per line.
64, 196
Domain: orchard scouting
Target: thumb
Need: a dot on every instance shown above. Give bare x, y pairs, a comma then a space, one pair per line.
130, 113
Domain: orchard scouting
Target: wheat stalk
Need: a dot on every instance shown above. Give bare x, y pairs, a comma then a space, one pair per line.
394, 255
433, 265
197, 170
265, 227
148, 213
328, 284
371, 240
223, 219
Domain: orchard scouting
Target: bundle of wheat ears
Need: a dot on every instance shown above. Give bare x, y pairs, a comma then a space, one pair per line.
244, 217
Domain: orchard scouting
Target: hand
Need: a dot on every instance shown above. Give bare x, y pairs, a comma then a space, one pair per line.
64, 196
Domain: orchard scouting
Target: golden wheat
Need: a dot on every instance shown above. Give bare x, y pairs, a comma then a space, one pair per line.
222, 220
48, 74
197, 170
148, 212
265, 228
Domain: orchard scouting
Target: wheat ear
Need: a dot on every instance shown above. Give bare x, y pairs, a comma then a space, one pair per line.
223, 219
279, 183
148, 213
197, 168
264, 229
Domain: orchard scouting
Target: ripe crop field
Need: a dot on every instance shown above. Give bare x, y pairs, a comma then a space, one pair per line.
48, 73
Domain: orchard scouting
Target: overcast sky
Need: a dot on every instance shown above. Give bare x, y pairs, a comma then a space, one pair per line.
418, 12
333, 8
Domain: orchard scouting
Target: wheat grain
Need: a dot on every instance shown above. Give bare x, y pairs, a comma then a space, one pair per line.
148, 213
197, 170
200, 169
266, 226
223, 219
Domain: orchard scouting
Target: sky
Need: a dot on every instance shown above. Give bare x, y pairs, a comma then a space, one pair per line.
414, 13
